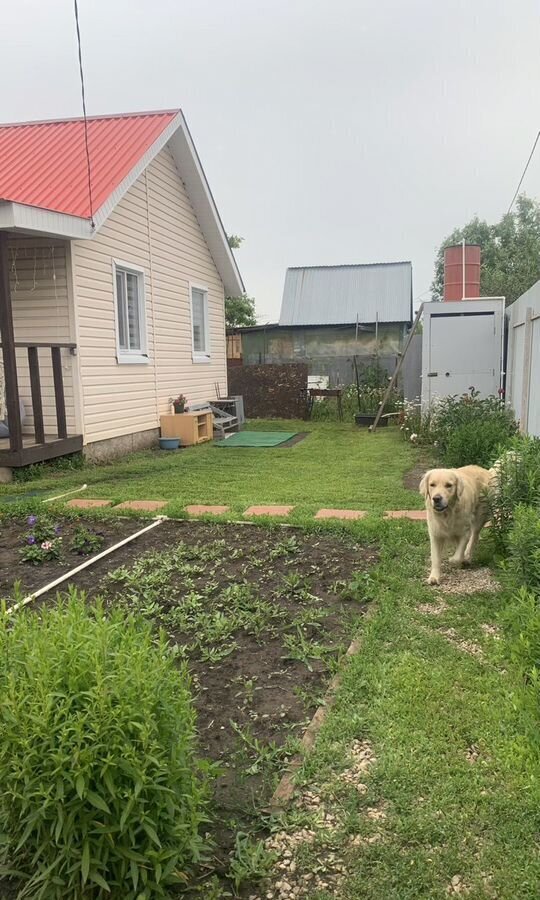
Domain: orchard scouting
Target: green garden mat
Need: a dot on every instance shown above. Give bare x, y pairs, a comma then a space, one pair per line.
256, 439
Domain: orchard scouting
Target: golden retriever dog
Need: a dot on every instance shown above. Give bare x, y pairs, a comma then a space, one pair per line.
457, 510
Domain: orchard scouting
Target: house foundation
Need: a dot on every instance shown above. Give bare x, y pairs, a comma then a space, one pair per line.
113, 448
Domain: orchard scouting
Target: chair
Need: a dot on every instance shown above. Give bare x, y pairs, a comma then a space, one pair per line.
234, 405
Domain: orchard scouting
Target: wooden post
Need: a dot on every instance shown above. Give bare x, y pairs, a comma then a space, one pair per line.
8, 350
56, 354
397, 369
35, 387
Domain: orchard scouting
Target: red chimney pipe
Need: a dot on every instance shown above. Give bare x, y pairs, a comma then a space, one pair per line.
461, 272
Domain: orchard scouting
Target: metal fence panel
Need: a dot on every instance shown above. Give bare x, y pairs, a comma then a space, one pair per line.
523, 365
534, 396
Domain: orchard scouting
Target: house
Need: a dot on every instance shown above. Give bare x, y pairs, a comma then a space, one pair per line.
114, 266
332, 314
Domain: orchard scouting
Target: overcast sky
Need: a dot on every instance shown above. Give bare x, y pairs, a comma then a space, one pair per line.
331, 131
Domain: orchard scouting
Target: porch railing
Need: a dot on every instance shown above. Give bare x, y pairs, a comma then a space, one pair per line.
32, 347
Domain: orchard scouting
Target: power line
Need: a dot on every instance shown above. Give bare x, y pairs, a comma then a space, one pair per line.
524, 171
85, 118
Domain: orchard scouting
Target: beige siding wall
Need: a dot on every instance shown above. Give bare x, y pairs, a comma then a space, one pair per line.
153, 227
40, 301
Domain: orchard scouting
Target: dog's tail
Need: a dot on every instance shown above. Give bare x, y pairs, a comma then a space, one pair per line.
509, 457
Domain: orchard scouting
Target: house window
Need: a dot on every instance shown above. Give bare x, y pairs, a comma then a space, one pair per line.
199, 324
130, 314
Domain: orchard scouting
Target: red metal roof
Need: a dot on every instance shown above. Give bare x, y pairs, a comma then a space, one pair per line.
44, 164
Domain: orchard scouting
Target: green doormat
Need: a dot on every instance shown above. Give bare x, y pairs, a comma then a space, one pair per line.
256, 439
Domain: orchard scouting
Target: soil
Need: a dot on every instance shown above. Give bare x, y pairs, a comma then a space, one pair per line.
413, 477
268, 695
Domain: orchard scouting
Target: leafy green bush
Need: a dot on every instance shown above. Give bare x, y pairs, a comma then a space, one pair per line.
521, 625
100, 791
86, 541
517, 484
521, 621
473, 443
43, 542
470, 431
523, 555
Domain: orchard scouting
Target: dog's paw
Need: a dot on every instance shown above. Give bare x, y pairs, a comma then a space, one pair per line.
456, 561
434, 579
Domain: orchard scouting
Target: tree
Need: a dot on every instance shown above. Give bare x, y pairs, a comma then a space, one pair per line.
240, 311
510, 252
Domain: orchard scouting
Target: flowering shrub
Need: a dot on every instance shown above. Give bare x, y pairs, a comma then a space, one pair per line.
414, 424
43, 542
466, 430
36, 554
471, 430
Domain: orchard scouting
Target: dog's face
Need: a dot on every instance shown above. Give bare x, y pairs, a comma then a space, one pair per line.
441, 488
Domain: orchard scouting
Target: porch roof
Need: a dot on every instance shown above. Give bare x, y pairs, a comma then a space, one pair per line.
45, 183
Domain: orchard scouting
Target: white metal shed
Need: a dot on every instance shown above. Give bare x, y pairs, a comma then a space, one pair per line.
462, 347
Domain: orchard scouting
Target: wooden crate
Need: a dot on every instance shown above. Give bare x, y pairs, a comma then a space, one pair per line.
189, 427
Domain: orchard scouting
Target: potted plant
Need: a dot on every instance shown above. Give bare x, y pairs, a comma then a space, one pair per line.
179, 403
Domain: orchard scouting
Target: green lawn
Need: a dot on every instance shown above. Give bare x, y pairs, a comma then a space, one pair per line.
336, 465
451, 794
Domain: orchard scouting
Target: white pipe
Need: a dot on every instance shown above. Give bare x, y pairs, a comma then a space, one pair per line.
84, 565
463, 268
67, 493
247, 522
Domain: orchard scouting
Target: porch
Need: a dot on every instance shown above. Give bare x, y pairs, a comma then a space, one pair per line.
38, 374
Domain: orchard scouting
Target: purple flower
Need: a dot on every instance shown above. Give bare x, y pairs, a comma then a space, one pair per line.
30, 539
31, 520
57, 530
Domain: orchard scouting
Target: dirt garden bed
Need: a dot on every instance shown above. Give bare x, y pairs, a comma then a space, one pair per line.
262, 616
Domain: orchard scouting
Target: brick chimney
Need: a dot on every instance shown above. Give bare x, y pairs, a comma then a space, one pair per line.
461, 272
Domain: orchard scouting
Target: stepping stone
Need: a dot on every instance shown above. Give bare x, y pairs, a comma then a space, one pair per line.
340, 514
143, 505
88, 504
416, 515
206, 510
268, 510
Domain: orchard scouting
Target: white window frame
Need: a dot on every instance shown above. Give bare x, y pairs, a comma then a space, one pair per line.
139, 356
200, 356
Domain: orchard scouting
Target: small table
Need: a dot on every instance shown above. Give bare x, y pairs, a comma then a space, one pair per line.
326, 392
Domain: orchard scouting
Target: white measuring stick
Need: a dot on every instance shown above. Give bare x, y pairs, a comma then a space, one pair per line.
59, 497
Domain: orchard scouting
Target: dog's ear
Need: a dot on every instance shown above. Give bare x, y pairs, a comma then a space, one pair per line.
460, 485
423, 487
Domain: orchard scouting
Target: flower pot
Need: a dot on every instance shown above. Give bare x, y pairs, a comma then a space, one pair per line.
179, 408
169, 443
365, 420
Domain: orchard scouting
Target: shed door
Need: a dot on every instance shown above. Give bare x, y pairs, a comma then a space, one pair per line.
464, 352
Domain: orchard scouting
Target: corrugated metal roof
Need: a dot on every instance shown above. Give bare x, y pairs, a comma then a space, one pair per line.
44, 164
340, 295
